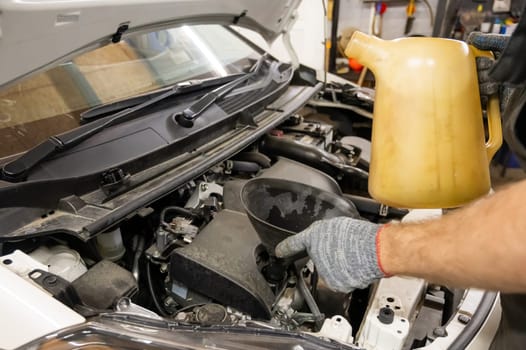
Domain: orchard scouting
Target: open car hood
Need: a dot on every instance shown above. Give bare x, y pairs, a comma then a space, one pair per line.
36, 33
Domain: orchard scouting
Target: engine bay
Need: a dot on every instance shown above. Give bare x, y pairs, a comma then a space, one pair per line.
194, 257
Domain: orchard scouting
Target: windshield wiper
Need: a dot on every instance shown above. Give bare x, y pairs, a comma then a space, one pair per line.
18, 169
106, 109
187, 117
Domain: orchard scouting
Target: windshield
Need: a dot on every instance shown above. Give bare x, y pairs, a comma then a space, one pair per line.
51, 102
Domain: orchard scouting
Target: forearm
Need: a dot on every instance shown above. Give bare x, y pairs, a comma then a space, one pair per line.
482, 245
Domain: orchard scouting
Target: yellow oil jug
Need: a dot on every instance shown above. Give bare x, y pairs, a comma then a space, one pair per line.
428, 140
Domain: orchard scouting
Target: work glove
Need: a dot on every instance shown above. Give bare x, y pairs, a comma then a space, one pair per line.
344, 251
487, 86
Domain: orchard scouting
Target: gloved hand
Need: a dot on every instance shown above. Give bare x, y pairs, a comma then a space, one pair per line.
487, 86
344, 251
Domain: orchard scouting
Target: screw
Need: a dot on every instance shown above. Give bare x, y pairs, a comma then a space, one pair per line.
50, 280
204, 186
124, 303
464, 319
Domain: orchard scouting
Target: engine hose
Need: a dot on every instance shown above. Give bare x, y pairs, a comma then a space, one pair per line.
311, 155
314, 283
178, 210
156, 302
309, 299
244, 167
308, 154
254, 157
371, 206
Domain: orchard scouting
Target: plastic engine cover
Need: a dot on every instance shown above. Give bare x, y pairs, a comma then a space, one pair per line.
221, 264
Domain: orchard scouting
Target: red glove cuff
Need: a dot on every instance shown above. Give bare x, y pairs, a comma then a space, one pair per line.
378, 250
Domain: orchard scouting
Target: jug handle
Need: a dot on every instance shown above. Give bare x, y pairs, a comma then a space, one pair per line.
493, 111
494, 127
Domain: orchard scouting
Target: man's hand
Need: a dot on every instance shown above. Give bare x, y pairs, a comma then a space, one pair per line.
344, 251
487, 86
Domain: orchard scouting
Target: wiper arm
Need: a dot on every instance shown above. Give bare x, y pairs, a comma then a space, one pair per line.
106, 109
18, 169
187, 117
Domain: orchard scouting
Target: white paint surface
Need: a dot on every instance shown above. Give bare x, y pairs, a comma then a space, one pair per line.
34, 33
28, 312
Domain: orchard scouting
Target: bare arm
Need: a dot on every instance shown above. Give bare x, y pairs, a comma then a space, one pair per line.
482, 245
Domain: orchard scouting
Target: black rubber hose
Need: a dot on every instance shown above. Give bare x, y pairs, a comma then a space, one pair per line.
371, 206
156, 302
314, 283
309, 299
180, 211
254, 157
308, 154
245, 167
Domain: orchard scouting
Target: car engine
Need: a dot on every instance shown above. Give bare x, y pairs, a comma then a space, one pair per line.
194, 256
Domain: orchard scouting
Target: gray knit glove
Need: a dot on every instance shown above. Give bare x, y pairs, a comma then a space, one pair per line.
487, 42
342, 249
488, 86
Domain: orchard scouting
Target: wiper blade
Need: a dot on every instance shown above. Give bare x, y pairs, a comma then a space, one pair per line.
106, 109
187, 117
18, 169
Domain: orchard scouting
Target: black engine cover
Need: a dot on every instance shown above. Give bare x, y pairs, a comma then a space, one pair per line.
221, 264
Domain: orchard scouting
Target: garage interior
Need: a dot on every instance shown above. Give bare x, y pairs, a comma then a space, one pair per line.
150, 174
339, 19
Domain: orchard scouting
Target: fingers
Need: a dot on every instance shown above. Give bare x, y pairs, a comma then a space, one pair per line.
488, 42
291, 246
486, 85
484, 63
489, 88
335, 286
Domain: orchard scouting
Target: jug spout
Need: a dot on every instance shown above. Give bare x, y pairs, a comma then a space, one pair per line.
367, 49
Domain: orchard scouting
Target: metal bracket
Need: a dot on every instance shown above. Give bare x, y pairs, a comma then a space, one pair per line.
202, 192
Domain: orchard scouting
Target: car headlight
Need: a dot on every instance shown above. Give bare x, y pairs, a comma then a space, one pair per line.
131, 332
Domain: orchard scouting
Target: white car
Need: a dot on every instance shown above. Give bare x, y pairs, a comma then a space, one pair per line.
128, 132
